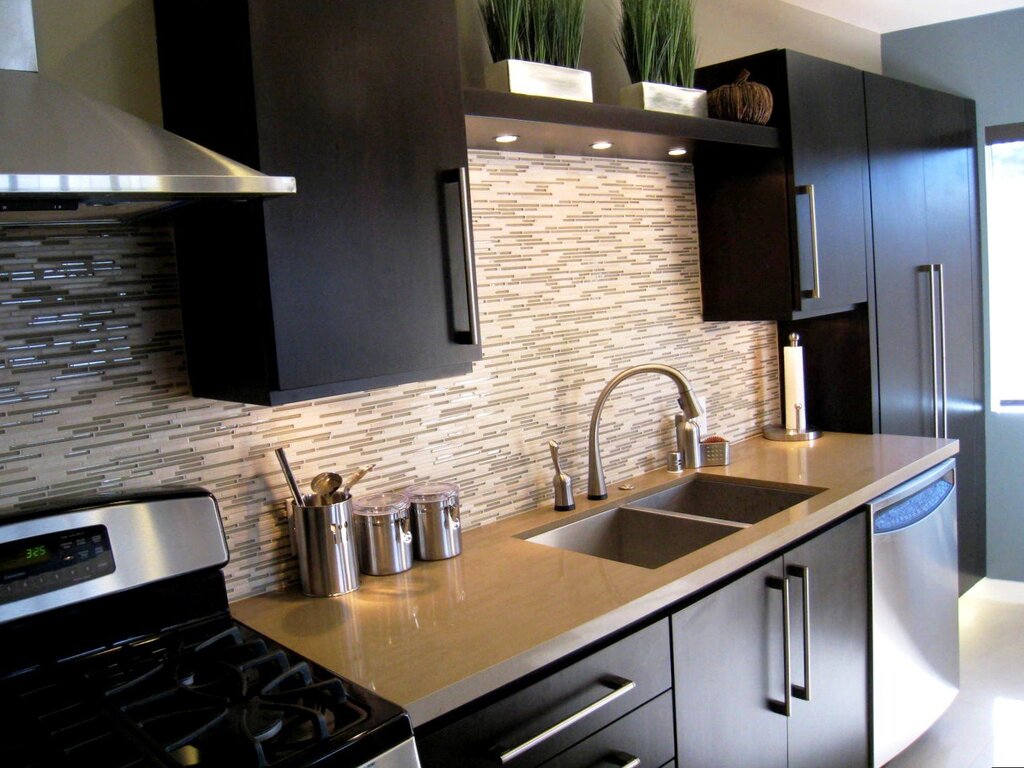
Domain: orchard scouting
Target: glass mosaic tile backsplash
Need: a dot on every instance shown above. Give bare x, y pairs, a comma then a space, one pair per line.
585, 267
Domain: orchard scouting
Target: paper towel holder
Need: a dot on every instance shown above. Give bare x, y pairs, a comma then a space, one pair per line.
802, 431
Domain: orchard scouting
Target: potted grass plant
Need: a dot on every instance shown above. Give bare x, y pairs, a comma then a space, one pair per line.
535, 46
658, 44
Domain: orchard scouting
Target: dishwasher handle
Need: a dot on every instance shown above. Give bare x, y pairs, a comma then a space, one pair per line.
914, 500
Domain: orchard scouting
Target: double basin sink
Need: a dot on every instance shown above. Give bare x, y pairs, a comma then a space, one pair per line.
664, 526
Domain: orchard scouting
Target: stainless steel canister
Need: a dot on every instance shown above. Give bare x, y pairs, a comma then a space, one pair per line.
325, 546
383, 534
436, 524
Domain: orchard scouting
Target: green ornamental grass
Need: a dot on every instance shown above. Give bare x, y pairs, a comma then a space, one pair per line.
545, 31
657, 41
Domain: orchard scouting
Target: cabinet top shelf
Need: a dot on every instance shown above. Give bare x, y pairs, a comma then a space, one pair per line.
563, 127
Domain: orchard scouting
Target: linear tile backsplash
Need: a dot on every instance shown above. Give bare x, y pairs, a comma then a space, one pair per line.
585, 267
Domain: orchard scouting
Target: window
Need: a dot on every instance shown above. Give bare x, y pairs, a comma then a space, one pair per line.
1005, 190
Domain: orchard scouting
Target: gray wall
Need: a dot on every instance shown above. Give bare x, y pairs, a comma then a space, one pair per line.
980, 58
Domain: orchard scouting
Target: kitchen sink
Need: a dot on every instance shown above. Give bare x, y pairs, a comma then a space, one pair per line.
639, 537
726, 500
664, 526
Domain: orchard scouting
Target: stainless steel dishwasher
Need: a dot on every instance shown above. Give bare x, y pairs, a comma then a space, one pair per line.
915, 629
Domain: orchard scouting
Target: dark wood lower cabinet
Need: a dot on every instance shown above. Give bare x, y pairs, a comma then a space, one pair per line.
710, 692
730, 664
645, 734
479, 737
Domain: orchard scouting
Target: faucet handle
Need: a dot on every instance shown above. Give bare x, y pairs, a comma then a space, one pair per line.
564, 499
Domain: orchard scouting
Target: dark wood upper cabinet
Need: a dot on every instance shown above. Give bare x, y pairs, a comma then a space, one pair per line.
765, 253
363, 278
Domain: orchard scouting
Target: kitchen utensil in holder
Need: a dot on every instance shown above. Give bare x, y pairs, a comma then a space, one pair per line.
436, 521
383, 534
325, 544
794, 417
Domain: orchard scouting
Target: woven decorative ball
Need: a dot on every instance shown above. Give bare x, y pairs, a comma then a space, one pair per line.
743, 101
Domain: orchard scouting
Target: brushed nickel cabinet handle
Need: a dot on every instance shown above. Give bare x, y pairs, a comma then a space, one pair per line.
620, 687
784, 707
803, 573
942, 348
619, 760
815, 292
470, 255
461, 258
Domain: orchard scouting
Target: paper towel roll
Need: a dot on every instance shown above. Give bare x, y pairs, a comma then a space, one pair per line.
794, 418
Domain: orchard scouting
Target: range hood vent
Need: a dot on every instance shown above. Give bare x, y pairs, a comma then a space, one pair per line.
66, 158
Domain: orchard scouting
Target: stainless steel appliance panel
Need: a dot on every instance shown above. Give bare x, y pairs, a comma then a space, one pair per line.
915, 629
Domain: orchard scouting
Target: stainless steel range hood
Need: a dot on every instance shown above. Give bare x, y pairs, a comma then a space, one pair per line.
65, 158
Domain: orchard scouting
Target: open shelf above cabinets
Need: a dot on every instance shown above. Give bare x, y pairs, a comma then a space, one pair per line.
561, 127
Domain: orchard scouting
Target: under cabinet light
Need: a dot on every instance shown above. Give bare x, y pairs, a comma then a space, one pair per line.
677, 151
601, 145
506, 138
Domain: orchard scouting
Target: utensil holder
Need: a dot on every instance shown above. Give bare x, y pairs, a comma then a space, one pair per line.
325, 545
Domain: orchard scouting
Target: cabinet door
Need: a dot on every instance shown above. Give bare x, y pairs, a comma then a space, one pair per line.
727, 653
829, 154
363, 278
922, 163
829, 722
367, 264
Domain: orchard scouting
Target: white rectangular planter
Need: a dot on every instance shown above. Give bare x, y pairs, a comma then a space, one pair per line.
665, 98
533, 79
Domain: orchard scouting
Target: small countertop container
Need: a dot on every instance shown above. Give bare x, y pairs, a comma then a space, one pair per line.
383, 534
436, 521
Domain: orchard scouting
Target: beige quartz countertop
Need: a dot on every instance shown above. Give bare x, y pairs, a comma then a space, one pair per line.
446, 632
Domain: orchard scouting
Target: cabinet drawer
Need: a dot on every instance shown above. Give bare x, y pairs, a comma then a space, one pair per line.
645, 734
641, 659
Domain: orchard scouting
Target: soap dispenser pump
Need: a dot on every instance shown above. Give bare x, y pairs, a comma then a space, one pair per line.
564, 500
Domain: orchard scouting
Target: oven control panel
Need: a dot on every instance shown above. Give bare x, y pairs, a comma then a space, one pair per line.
40, 564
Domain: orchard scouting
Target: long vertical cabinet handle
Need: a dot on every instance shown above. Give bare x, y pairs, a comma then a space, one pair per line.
803, 573
942, 348
815, 292
935, 345
461, 258
784, 707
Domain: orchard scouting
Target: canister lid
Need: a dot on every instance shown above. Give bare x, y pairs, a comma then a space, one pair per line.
380, 504
432, 493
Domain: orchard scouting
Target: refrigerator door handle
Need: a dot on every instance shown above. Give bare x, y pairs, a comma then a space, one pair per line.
935, 345
942, 348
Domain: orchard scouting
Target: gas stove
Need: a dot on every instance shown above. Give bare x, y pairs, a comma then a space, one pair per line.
119, 650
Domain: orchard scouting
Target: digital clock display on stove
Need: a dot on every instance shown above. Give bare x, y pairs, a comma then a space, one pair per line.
39, 553
40, 564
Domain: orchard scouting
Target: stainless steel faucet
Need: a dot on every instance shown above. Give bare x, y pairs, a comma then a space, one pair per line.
596, 488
